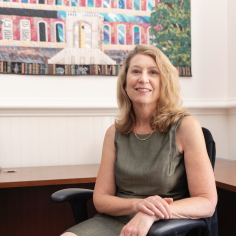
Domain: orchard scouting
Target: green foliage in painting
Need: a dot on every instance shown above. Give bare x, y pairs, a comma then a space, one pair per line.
0, 24
170, 30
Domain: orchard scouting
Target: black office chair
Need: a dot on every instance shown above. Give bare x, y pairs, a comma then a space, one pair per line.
178, 227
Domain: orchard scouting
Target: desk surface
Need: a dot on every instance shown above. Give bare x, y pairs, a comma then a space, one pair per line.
225, 174
48, 175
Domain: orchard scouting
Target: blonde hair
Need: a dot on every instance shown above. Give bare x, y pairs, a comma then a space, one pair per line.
168, 109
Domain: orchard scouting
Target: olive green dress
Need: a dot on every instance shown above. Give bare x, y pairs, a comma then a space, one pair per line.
143, 168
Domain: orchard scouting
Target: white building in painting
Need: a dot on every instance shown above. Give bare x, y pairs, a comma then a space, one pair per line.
84, 45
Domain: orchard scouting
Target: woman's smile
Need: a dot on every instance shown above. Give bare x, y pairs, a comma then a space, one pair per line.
143, 90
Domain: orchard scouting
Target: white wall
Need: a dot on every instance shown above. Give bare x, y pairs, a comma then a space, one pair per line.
231, 48
52, 120
232, 76
57, 87
209, 51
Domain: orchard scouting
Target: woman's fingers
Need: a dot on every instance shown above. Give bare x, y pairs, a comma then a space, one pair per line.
168, 200
167, 211
148, 206
158, 212
156, 205
167, 207
146, 210
163, 209
161, 205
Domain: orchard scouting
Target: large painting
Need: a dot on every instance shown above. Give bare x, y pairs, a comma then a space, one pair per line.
88, 37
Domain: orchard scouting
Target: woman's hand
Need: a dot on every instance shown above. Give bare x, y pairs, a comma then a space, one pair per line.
139, 225
154, 205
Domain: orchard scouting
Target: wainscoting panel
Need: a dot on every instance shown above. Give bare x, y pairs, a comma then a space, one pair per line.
5, 141
59, 136
217, 123
44, 141
232, 134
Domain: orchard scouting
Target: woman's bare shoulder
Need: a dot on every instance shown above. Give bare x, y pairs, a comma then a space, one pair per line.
188, 132
188, 125
110, 133
111, 129
110, 137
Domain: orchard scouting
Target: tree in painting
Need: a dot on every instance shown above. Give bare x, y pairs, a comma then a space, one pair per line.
170, 30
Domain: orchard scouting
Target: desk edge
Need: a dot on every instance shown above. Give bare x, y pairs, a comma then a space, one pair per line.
226, 186
47, 182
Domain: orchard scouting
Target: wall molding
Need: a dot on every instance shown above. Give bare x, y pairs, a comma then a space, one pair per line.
100, 107
79, 112
57, 103
210, 103
232, 111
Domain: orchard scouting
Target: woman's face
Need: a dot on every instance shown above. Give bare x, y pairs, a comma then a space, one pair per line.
143, 80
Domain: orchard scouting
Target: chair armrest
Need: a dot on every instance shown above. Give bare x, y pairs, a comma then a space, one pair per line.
71, 194
174, 227
78, 198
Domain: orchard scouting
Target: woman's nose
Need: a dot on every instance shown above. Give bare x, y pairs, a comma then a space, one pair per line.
144, 77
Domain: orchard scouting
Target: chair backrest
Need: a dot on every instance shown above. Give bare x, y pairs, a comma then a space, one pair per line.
210, 146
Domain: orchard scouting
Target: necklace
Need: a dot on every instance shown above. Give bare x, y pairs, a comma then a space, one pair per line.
142, 139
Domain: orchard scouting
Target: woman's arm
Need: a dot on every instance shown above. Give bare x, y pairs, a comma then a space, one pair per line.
200, 176
104, 197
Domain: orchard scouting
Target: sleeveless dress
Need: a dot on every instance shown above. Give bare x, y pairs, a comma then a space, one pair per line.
143, 168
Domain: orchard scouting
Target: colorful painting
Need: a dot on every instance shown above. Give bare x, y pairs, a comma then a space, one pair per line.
72, 36
170, 30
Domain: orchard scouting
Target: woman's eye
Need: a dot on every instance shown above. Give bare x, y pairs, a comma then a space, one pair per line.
135, 71
153, 72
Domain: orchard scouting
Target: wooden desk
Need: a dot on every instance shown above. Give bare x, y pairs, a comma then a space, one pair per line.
26, 207
25, 199
225, 175
48, 175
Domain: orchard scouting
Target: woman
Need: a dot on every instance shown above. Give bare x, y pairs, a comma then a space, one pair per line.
143, 176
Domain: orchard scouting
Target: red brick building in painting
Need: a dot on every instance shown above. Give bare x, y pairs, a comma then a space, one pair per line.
107, 25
